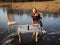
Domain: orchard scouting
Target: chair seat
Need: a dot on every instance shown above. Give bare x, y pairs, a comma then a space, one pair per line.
11, 23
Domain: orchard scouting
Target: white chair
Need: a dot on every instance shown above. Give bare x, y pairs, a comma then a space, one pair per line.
11, 21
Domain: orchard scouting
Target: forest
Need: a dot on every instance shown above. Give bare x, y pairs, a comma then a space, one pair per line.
24, 0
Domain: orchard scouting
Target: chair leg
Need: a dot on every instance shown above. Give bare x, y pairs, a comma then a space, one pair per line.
16, 27
43, 36
19, 35
33, 35
8, 28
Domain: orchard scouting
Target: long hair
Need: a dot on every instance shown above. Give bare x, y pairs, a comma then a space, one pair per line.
35, 10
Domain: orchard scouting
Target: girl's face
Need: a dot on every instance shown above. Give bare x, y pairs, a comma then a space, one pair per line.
34, 10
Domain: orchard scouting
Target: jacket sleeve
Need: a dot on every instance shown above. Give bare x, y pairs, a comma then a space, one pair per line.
40, 16
31, 15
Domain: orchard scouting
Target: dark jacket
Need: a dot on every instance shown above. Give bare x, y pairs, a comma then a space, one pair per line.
36, 18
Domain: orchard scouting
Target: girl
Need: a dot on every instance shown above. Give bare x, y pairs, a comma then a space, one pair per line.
36, 17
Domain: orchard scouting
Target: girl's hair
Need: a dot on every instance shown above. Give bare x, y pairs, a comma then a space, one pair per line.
35, 9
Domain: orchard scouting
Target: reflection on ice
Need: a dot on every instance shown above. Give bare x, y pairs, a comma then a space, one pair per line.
54, 33
59, 39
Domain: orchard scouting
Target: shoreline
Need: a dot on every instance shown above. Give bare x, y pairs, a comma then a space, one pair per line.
51, 6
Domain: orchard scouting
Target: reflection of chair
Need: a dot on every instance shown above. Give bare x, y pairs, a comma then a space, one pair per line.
11, 21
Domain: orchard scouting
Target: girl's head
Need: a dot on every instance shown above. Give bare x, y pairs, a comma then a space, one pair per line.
34, 10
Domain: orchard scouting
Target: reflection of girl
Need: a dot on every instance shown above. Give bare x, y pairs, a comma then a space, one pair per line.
36, 17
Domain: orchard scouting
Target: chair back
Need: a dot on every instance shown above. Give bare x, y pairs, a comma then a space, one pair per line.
10, 18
